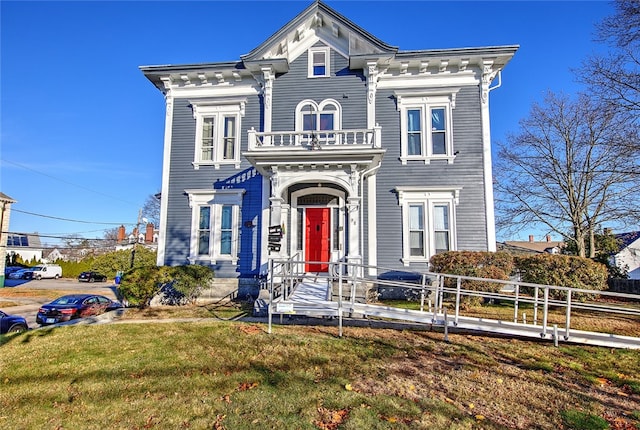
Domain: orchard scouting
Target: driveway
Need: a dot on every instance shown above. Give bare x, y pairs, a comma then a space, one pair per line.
28, 306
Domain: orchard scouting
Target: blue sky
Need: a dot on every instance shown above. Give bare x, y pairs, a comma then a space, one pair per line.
81, 129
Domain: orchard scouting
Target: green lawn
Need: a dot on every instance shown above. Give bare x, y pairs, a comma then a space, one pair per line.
232, 375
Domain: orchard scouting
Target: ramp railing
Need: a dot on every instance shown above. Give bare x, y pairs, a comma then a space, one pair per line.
534, 310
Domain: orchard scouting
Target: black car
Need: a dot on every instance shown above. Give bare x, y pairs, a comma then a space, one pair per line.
12, 323
75, 306
92, 276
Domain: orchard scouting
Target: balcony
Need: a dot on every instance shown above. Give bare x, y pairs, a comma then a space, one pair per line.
323, 149
315, 140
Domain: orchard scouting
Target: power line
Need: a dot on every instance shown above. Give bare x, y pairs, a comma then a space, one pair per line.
64, 181
70, 220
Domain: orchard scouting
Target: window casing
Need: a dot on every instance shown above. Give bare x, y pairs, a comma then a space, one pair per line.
319, 118
218, 125
428, 220
319, 63
215, 225
426, 127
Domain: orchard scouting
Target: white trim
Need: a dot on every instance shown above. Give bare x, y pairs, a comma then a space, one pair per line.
425, 101
488, 176
428, 197
214, 199
327, 61
293, 224
219, 109
372, 233
164, 193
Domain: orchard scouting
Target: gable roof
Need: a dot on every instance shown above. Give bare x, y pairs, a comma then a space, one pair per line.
319, 22
326, 24
626, 239
5, 198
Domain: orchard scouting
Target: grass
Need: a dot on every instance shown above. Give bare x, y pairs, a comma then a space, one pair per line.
217, 374
625, 325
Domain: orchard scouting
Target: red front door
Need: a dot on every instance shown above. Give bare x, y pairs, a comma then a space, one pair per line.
317, 245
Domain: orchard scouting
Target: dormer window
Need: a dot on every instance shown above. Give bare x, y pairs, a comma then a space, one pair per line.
319, 62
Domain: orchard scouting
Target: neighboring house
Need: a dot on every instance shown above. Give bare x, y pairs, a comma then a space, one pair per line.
628, 257
54, 255
148, 238
27, 246
329, 144
532, 246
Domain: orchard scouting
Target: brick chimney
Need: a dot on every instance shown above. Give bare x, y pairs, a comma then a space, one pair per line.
548, 238
531, 238
121, 234
148, 234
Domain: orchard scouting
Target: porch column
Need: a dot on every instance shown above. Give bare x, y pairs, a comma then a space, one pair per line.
285, 210
353, 210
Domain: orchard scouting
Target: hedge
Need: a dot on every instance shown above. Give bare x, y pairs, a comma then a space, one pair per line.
546, 269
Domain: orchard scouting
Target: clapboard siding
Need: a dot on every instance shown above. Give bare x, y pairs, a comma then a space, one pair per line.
345, 86
466, 172
184, 176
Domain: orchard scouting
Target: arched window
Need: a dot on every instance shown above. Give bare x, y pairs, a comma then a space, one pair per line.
319, 117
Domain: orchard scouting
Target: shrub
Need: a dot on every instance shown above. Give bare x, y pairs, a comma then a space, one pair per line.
563, 271
111, 263
180, 284
491, 265
140, 284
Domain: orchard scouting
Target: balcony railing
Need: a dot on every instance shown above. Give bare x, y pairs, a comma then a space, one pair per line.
310, 140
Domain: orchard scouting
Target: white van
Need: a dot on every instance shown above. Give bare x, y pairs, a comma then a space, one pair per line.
44, 271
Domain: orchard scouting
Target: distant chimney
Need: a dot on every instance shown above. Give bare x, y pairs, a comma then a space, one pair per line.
148, 236
121, 233
530, 238
548, 238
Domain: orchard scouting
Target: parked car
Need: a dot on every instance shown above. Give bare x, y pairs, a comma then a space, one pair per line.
21, 274
75, 306
44, 271
12, 323
92, 277
10, 269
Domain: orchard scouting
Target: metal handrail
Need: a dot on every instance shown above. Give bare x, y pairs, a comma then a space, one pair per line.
439, 290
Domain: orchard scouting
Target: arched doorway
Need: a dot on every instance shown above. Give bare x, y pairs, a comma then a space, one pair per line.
318, 226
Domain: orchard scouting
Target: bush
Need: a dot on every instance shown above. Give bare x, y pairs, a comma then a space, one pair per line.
180, 284
111, 263
491, 265
563, 271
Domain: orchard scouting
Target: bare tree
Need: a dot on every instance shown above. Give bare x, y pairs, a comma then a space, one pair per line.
151, 209
110, 237
614, 77
568, 169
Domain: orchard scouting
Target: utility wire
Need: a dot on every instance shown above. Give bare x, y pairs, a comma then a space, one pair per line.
70, 220
64, 181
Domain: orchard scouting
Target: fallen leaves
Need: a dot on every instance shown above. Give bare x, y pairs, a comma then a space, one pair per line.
250, 329
330, 419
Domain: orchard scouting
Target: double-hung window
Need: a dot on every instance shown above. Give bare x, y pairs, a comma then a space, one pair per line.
215, 221
319, 66
428, 220
426, 129
318, 119
217, 132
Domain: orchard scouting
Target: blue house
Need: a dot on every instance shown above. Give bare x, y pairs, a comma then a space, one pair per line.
328, 144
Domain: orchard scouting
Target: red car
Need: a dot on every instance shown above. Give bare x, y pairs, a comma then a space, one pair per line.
75, 306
